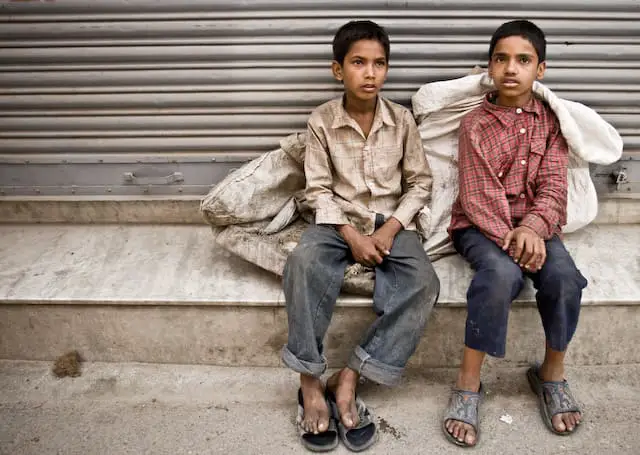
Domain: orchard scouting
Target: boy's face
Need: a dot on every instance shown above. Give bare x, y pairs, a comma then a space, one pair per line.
514, 66
363, 71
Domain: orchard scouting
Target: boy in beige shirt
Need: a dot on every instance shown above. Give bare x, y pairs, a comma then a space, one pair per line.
367, 178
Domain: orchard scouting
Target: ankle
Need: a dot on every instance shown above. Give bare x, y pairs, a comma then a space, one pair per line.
468, 380
551, 372
310, 384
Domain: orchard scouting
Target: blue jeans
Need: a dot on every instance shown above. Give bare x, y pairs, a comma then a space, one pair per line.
497, 282
406, 288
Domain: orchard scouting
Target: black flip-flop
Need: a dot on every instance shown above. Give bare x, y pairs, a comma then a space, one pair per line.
321, 442
364, 434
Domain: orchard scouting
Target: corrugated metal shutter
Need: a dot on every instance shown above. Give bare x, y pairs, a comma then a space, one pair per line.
175, 93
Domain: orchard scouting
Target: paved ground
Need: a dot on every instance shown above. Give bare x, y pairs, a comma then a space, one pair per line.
185, 409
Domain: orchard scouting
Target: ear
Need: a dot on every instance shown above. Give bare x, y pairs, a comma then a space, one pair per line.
336, 69
542, 67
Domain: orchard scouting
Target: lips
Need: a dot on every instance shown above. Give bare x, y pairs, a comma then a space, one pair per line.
369, 88
510, 82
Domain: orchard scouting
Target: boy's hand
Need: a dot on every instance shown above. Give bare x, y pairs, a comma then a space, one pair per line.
529, 249
385, 234
364, 249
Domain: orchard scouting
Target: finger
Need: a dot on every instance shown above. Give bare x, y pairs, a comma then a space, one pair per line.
378, 258
381, 246
530, 248
519, 248
507, 240
543, 256
532, 263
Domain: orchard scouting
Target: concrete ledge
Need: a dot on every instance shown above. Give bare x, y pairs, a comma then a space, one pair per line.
167, 294
101, 209
253, 336
185, 209
181, 266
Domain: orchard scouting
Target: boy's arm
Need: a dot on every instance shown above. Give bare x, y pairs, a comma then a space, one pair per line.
319, 176
416, 175
481, 194
549, 209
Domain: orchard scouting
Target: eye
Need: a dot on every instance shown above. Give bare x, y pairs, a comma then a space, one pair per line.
381, 64
357, 62
525, 59
499, 58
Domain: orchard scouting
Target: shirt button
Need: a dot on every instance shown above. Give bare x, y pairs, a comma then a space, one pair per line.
522, 196
518, 111
499, 174
523, 162
522, 131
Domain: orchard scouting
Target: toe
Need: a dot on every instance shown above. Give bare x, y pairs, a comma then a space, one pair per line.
567, 419
578, 417
462, 434
471, 437
449, 425
323, 424
558, 424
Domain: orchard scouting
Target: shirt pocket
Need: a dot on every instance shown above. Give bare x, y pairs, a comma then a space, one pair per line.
387, 162
537, 150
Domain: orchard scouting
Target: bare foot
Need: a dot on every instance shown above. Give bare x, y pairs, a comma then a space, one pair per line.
343, 384
316, 412
464, 432
566, 421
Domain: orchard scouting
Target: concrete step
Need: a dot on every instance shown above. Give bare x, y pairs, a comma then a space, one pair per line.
613, 209
194, 409
167, 294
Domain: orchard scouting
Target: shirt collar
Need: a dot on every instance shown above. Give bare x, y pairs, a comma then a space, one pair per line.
505, 114
382, 116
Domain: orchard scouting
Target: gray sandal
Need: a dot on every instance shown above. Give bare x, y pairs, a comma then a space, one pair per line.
364, 434
321, 442
463, 407
555, 398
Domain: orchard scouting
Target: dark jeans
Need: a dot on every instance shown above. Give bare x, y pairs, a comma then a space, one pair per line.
497, 282
406, 288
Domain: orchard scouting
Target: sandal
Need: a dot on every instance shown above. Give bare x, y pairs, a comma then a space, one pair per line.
321, 442
364, 434
463, 407
555, 398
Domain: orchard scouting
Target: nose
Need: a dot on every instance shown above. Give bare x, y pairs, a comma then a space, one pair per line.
511, 67
370, 71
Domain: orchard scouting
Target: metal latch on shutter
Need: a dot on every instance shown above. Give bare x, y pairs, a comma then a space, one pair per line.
133, 179
620, 178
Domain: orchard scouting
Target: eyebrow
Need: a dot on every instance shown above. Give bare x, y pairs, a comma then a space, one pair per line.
377, 59
504, 54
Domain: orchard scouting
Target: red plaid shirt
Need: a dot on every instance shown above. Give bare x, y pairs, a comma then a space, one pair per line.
512, 164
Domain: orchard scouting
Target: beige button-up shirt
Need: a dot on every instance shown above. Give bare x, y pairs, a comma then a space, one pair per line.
351, 177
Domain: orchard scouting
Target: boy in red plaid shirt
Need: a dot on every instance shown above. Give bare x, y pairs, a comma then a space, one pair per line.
506, 222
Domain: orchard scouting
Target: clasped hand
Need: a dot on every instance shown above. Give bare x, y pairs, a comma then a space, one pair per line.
526, 248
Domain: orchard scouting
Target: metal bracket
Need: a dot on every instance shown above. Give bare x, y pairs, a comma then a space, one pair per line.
133, 179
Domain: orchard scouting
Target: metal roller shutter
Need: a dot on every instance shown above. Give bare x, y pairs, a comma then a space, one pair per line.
165, 97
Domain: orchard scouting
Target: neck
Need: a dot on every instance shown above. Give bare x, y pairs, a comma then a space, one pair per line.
515, 101
359, 107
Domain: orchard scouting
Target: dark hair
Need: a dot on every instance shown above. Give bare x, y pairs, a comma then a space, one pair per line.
354, 31
526, 29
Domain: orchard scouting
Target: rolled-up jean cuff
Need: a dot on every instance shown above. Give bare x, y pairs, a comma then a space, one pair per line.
374, 370
309, 368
